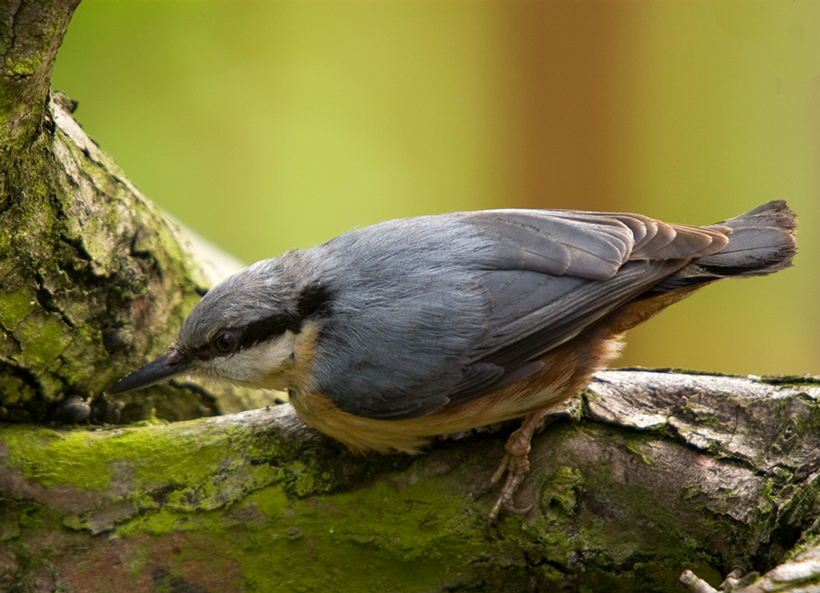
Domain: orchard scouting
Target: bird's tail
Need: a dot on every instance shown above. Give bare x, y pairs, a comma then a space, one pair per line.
761, 241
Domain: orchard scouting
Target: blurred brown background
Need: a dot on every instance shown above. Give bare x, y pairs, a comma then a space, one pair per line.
267, 126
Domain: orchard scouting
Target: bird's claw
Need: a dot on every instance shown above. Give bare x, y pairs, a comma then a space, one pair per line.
502, 469
517, 510
516, 468
516, 465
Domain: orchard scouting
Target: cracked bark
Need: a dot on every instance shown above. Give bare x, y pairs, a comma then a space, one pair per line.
648, 475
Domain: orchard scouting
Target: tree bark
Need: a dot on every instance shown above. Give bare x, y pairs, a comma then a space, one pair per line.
645, 476
95, 280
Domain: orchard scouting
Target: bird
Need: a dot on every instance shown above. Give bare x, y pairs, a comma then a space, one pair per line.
389, 335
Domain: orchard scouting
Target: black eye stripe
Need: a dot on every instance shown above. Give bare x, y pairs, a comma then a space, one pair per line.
314, 300
268, 327
253, 333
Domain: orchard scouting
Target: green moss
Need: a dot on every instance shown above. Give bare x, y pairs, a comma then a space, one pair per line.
26, 66
767, 491
10, 526
42, 338
201, 469
73, 522
14, 307
73, 371
33, 516
633, 445
398, 522
627, 521
221, 512
14, 391
558, 497
790, 380
807, 423
50, 386
82, 458
270, 501
137, 561
53, 458
36, 224
161, 521
161, 456
364, 540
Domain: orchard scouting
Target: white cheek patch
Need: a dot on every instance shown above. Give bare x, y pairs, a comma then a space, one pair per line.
254, 365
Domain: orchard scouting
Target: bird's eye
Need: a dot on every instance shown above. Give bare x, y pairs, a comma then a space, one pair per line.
224, 343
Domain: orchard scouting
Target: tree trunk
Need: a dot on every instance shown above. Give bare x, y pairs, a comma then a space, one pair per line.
647, 475
94, 279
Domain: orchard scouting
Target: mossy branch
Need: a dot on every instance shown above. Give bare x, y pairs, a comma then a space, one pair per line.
645, 476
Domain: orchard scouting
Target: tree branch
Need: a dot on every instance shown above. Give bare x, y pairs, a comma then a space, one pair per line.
647, 475
30, 33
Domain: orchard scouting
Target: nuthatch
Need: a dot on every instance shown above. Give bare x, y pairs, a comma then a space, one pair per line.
407, 329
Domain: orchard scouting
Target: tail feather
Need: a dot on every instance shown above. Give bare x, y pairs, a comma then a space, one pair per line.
761, 242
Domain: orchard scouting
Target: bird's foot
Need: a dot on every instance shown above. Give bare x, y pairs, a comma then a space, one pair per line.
516, 464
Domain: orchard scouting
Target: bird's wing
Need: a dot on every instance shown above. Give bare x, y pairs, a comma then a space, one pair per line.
602, 260
480, 296
590, 245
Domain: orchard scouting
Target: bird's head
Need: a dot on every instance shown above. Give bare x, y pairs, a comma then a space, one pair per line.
257, 328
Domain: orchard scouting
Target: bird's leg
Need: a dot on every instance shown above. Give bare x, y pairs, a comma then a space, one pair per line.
516, 464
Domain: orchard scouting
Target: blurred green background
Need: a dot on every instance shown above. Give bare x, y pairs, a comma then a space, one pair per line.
267, 126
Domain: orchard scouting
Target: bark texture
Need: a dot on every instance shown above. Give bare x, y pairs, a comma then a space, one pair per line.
93, 279
645, 476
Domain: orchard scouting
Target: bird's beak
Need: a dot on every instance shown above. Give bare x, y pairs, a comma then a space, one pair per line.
171, 365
